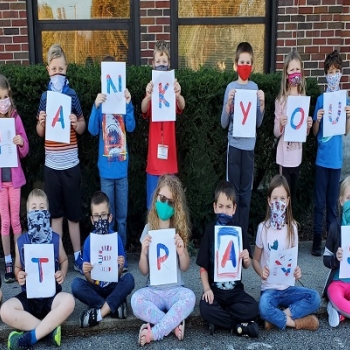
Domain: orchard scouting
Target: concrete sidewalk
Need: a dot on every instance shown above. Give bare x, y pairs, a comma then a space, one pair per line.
313, 276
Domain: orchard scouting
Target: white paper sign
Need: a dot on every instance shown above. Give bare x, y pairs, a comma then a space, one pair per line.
228, 245
104, 257
244, 119
297, 114
58, 109
40, 268
8, 150
282, 265
113, 81
162, 257
334, 118
163, 96
344, 270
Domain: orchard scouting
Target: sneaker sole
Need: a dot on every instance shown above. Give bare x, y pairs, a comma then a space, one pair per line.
56, 339
9, 280
333, 316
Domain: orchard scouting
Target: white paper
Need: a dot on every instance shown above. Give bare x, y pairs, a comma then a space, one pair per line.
162, 257
104, 257
282, 266
163, 96
297, 114
40, 268
334, 118
344, 270
57, 128
8, 150
228, 245
113, 81
244, 119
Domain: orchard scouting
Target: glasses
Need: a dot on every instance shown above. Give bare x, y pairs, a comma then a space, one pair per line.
102, 216
164, 199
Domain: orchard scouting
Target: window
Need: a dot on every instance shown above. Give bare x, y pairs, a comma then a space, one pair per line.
87, 30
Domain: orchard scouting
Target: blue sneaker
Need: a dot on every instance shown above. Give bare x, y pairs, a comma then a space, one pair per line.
19, 340
78, 264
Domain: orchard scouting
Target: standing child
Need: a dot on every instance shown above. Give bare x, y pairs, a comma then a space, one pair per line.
167, 306
11, 180
337, 289
62, 171
102, 298
38, 317
225, 304
161, 134
113, 157
240, 150
289, 154
329, 158
279, 231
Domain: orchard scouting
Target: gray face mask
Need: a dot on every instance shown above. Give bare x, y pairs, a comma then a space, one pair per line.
162, 68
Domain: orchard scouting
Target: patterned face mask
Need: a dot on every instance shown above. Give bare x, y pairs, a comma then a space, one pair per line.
39, 228
57, 82
333, 81
5, 105
278, 214
101, 226
294, 79
162, 68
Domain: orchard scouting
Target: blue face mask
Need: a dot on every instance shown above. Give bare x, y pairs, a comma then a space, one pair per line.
224, 219
164, 210
57, 82
162, 68
346, 214
39, 228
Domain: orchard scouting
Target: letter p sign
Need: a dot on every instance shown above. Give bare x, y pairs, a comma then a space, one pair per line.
161, 259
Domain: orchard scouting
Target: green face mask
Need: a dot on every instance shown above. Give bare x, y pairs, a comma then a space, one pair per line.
164, 210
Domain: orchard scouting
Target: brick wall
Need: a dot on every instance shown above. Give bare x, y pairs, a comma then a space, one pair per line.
315, 28
13, 32
155, 25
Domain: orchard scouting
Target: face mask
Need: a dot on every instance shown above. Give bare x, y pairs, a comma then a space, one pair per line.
224, 219
278, 214
346, 214
101, 226
162, 68
164, 210
294, 79
39, 228
244, 71
5, 105
57, 82
333, 81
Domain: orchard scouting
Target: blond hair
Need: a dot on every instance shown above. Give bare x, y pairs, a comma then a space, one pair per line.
162, 47
37, 192
180, 219
55, 51
343, 186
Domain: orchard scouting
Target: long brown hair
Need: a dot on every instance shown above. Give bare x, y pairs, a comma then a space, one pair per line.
180, 219
5, 85
277, 181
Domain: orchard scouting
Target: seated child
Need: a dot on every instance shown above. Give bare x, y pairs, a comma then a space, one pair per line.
102, 298
38, 317
225, 304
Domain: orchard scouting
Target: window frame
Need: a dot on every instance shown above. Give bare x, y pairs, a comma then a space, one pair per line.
36, 27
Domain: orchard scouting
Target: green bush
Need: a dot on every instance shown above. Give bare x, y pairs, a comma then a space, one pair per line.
201, 140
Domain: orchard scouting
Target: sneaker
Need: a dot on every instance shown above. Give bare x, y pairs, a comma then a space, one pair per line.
56, 336
78, 264
333, 315
19, 340
88, 318
9, 275
316, 246
121, 311
249, 329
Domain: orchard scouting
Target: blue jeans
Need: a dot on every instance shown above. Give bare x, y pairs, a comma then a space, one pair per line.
152, 181
117, 192
95, 296
300, 301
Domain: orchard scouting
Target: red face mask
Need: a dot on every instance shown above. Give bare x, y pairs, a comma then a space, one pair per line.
244, 71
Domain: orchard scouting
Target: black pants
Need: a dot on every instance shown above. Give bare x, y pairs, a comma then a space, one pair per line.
229, 307
292, 177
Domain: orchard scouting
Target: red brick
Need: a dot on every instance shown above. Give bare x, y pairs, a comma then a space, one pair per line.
326, 49
333, 41
320, 25
22, 14
279, 66
305, 10
147, 20
25, 47
144, 45
19, 22
20, 39
317, 57
147, 4
163, 37
5, 39
280, 42
146, 53
23, 31
5, 23
281, 10
162, 4
345, 18
155, 29
311, 49
320, 9
319, 41
290, 42
327, 33
162, 20
143, 13
326, 18
10, 14
6, 56
12, 47
18, 5
291, 10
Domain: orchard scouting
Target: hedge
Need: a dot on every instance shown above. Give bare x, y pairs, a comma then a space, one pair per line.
200, 138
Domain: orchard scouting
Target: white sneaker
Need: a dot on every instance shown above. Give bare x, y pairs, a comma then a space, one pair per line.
333, 315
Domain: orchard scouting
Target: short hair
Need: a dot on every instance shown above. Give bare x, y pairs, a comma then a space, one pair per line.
37, 192
108, 59
162, 47
333, 59
55, 51
99, 197
244, 47
227, 189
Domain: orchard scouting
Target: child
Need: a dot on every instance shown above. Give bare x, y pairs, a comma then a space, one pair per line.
161, 134
113, 156
240, 151
225, 304
337, 289
289, 154
102, 298
62, 171
38, 317
11, 180
329, 156
167, 306
279, 231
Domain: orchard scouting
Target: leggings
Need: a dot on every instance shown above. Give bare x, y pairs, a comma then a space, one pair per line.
339, 295
163, 308
10, 200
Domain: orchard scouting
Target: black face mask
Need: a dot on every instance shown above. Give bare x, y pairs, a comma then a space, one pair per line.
101, 226
224, 219
162, 68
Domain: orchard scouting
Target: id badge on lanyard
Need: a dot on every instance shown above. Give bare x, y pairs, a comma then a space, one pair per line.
162, 152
